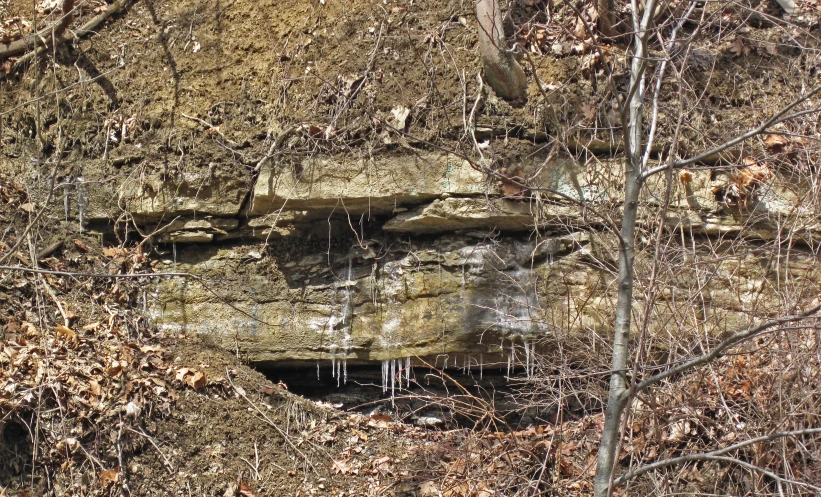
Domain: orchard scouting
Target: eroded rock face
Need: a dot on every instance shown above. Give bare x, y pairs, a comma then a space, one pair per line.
385, 300
455, 294
439, 259
370, 185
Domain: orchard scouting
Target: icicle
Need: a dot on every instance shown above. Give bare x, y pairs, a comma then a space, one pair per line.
549, 259
333, 367
481, 364
527, 358
174, 250
65, 201
509, 357
338, 370
532, 357
317, 370
384, 376
407, 371
469, 364
393, 378
345, 371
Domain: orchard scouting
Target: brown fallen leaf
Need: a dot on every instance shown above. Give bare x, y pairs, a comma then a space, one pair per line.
109, 476
246, 490
588, 110
197, 380
65, 333
92, 326
82, 246
776, 141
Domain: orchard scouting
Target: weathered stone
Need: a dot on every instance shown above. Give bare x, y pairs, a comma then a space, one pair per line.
375, 185
454, 214
189, 194
451, 295
190, 237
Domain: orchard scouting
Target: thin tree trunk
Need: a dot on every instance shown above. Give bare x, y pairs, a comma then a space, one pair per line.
632, 117
502, 72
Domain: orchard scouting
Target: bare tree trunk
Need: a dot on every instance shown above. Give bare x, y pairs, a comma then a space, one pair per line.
633, 180
502, 72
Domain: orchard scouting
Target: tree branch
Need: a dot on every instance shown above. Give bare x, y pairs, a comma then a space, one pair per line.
62, 37
728, 342
42, 37
709, 455
781, 116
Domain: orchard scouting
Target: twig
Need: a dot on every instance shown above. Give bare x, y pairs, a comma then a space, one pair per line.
710, 455
779, 117
87, 28
37, 217
166, 462
274, 146
725, 344
210, 127
20, 46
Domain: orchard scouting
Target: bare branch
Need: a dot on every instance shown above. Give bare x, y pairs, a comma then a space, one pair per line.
781, 116
710, 455
727, 343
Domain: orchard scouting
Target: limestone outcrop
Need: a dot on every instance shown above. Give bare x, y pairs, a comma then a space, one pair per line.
423, 255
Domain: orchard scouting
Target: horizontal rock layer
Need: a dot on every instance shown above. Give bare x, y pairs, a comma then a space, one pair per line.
439, 258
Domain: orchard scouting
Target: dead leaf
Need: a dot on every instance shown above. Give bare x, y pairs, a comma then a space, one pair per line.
81, 245
382, 465
246, 490
109, 476
588, 110
92, 326
197, 380
28, 207
29, 329
738, 48
65, 333
428, 489
340, 466
685, 177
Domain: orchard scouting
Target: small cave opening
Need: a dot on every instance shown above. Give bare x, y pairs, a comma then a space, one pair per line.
421, 395
15, 449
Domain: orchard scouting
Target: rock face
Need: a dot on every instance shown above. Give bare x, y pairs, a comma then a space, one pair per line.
315, 182
466, 273
374, 185
422, 255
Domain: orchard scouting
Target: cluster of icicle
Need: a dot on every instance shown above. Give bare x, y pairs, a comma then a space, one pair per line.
393, 372
339, 366
530, 357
